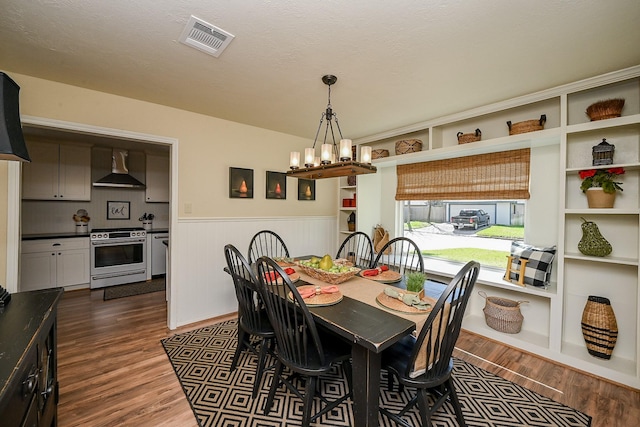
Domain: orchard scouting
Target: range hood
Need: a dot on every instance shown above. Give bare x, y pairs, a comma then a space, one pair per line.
119, 176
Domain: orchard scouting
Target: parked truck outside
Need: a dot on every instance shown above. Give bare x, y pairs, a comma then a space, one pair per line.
472, 218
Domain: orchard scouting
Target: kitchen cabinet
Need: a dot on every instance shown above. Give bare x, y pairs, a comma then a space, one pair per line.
157, 178
28, 355
48, 263
57, 172
552, 324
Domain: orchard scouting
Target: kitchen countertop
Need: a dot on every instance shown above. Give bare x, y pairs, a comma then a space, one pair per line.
53, 236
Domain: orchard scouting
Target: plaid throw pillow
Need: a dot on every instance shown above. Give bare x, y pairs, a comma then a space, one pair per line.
538, 270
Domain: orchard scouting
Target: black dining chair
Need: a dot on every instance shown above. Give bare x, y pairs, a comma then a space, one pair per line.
358, 248
301, 346
425, 363
266, 243
253, 321
402, 255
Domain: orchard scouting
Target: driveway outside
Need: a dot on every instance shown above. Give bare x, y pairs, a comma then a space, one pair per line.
443, 236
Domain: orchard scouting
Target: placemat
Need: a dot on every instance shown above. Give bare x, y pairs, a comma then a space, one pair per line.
388, 276
397, 305
321, 299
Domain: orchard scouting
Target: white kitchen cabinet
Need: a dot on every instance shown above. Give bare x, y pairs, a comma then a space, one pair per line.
158, 253
157, 179
49, 263
552, 324
57, 172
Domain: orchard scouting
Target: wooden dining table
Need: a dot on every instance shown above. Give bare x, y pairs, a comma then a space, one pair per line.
371, 328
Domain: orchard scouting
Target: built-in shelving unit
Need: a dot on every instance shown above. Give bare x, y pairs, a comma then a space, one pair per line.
552, 326
346, 191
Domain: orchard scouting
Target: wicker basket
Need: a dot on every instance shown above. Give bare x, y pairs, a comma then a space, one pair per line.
605, 109
405, 146
599, 327
328, 277
464, 138
502, 314
379, 153
527, 125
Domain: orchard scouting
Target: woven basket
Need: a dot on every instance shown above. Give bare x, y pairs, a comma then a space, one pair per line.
527, 125
328, 277
379, 153
599, 327
502, 314
605, 109
405, 146
464, 138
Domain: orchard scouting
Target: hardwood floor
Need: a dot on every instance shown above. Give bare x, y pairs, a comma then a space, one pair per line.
113, 370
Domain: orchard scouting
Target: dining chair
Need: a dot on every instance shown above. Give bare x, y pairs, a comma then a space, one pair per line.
303, 347
400, 254
359, 246
266, 243
252, 317
425, 363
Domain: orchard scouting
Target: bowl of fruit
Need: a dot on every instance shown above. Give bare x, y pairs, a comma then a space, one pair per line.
328, 270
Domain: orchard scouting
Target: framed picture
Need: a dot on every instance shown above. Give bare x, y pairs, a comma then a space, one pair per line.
306, 189
276, 185
240, 183
118, 210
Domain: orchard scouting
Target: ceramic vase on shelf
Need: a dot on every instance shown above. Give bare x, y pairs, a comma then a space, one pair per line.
599, 327
597, 198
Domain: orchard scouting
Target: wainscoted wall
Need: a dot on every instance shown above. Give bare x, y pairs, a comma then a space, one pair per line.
200, 289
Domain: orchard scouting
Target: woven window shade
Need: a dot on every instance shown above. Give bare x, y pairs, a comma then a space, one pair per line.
493, 176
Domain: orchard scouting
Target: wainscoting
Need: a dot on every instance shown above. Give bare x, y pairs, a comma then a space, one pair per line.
199, 287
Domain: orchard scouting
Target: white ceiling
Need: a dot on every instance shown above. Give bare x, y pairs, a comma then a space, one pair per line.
397, 62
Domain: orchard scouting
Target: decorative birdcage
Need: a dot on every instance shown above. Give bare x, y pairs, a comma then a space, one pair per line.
603, 153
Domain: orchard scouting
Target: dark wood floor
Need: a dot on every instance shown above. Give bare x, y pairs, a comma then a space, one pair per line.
113, 370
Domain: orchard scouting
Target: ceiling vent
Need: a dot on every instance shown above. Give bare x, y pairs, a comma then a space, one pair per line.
205, 37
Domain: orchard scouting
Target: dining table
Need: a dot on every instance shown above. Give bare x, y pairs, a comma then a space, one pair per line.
371, 327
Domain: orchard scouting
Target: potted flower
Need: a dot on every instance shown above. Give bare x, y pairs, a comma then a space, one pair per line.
600, 186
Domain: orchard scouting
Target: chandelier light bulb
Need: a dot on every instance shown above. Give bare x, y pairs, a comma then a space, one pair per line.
294, 160
309, 156
345, 150
325, 153
365, 154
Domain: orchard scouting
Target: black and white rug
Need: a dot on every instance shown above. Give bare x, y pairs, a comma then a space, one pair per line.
201, 360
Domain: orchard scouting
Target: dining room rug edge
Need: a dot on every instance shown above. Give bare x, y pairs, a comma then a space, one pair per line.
201, 360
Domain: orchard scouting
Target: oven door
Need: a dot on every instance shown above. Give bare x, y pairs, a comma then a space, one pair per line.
118, 261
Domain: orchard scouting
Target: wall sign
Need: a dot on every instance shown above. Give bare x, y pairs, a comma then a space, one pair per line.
118, 210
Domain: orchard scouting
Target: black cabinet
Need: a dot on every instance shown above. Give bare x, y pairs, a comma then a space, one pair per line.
28, 364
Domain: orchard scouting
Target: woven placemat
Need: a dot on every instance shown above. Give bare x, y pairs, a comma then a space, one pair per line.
397, 305
321, 299
388, 276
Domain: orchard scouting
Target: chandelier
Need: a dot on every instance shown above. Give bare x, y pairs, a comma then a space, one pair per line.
334, 160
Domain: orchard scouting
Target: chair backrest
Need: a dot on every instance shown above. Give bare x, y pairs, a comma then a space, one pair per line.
359, 246
297, 340
402, 255
246, 285
437, 338
266, 243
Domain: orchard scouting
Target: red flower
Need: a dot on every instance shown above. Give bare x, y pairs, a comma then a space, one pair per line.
587, 173
616, 171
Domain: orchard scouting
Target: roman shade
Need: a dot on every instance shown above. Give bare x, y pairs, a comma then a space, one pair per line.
492, 176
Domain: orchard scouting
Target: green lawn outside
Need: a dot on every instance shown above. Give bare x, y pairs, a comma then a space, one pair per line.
486, 257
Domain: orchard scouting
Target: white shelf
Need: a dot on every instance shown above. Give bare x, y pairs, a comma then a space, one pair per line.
628, 166
347, 209
618, 364
604, 124
606, 211
523, 339
606, 260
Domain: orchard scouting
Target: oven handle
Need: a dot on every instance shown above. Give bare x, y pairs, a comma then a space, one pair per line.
116, 242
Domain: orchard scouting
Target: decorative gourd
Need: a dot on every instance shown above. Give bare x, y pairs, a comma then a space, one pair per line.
592, 242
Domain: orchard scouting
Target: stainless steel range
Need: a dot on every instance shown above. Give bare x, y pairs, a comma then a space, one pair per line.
118, 256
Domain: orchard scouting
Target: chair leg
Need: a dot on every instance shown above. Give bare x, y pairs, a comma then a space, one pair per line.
274, 386
262, 356
310, 391
455, 402
242, 336
423, 406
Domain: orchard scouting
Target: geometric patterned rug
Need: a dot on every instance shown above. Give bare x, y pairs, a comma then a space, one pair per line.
201, 360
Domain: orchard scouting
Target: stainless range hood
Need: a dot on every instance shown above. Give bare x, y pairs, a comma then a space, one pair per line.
119, 176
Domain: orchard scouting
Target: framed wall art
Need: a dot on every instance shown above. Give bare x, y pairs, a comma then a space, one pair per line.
276, 185
240, 183
306, 189
118, 210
